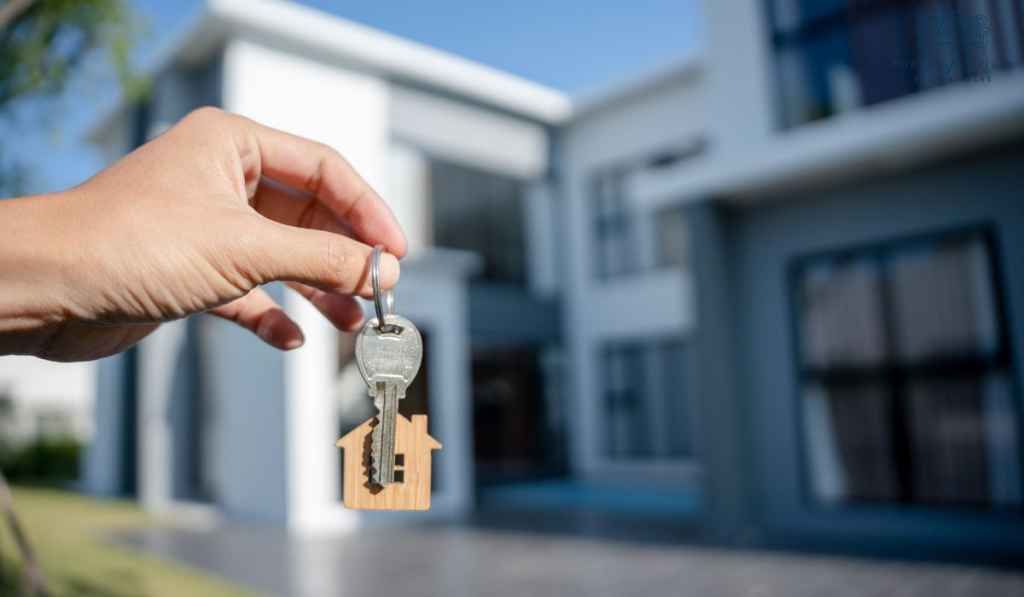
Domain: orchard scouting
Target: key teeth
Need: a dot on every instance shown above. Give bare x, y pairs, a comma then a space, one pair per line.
375, 450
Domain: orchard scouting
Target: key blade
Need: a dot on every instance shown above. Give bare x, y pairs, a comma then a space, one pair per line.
383, 437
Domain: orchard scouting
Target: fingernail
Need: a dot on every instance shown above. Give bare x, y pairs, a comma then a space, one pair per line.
389, 270
277, 329
354, 325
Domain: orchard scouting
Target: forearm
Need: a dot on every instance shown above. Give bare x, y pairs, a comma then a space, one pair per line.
32, 262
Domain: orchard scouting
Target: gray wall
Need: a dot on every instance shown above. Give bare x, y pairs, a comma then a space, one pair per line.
755, 245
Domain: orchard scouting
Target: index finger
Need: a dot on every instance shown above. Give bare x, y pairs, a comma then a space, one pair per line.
324, 173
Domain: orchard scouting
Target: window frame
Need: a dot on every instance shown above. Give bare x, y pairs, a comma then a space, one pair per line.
895, 377
846, 18
611, 221
650, 356
615, 210
490, 251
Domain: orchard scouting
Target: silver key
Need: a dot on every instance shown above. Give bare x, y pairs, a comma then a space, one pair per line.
388, 358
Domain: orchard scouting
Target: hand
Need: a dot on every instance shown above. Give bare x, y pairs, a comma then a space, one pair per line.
195, 220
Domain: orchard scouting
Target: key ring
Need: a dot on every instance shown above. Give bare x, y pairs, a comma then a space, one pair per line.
382, 299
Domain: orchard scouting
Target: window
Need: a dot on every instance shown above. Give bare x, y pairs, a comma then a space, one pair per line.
629, 239
836, 55
481, 212
905, 379
646, 401
615, 245
672, 234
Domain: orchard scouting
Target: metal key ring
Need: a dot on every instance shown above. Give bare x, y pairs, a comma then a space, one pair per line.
381, 299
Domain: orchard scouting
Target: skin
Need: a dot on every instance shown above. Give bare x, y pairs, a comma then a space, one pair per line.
195, 220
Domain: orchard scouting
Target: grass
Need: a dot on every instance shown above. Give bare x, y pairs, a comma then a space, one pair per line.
67, 530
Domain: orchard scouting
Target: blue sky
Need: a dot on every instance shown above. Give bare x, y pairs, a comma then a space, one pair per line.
577, 46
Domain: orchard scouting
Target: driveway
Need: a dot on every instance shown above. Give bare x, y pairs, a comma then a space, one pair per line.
457, 561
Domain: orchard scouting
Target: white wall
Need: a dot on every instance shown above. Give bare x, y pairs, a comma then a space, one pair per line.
469, 134
408, 194
741, 107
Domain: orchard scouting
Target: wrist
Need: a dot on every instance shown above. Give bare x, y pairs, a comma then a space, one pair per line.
33, 263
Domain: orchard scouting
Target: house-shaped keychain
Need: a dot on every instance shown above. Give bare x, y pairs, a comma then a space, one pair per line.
411, 489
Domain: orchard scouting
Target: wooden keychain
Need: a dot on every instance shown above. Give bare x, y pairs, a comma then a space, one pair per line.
388, 457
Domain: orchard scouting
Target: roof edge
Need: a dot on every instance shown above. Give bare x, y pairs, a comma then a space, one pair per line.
679, 69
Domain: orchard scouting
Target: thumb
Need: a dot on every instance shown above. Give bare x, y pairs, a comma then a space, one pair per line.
325, 260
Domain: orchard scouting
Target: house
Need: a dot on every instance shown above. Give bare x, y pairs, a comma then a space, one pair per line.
795, 277
199, 417
777, 284
411, 489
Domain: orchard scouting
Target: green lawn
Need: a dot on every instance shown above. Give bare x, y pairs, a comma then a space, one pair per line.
67, 529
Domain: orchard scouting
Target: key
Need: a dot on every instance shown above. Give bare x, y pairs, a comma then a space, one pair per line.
388, 358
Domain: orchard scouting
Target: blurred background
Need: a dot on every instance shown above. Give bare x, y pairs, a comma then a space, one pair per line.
718, 298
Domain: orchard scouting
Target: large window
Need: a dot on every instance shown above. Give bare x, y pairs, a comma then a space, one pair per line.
836, 55
481, 212
646, 402
906, 386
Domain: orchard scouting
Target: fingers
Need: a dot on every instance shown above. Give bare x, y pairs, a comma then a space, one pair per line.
261, 315
281, 204
342, 310
324, 260
322, 172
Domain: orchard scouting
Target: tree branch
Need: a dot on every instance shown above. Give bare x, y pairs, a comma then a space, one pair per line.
11, 10
35, 583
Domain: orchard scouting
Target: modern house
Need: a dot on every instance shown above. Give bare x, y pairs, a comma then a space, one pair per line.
201, 414
774, 288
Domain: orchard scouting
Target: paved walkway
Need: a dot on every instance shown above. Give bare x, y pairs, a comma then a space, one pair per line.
463, 561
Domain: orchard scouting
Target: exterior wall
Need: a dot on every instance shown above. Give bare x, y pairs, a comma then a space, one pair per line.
985, 189
105, 461
408, 194
741, 105
598, 311
468, 133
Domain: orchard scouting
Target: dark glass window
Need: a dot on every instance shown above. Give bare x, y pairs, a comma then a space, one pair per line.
646, 401
905, 375
835, 55
616, 250
672, 233
481, 212
627, 239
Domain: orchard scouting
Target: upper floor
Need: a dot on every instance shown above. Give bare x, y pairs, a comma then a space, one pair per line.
804, 93
455, 146
786, 93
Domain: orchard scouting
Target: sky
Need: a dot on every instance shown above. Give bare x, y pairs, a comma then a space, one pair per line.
576, 46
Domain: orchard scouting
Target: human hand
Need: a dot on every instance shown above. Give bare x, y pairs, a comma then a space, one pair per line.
195, 220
